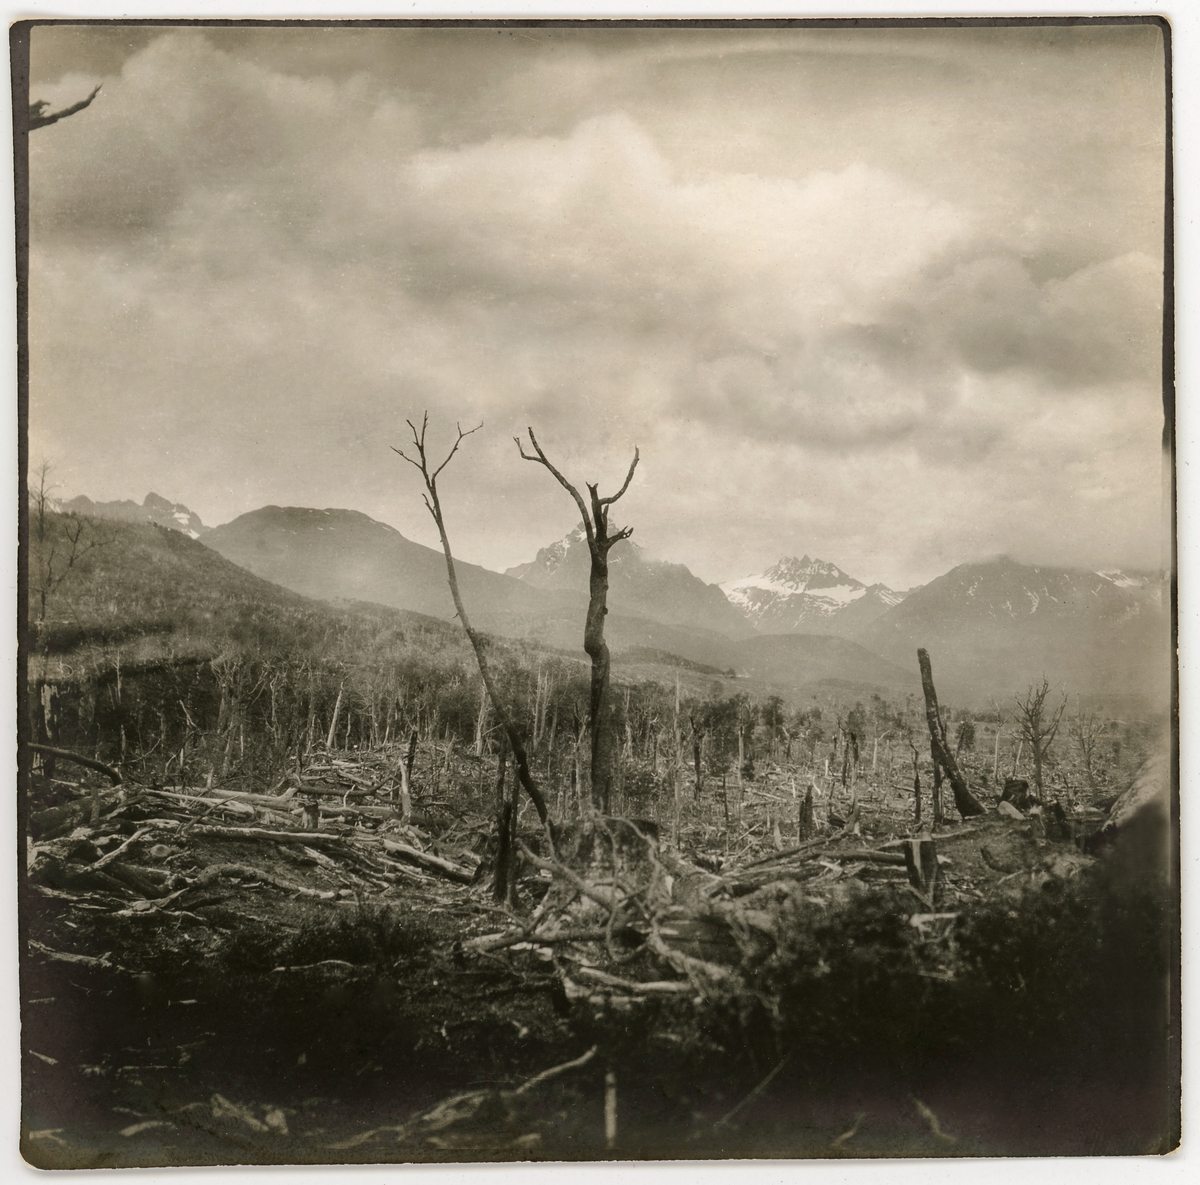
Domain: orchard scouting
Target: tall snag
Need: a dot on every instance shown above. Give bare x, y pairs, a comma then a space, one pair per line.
964, 801
600, 542
434, 506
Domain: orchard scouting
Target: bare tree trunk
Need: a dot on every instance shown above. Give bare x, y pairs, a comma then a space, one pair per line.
916, 787
405, 793
337, 707
411, 756
964, 802
938, 817
676, 771
481, 720
600, 709
600, 542
435, 509
503, 835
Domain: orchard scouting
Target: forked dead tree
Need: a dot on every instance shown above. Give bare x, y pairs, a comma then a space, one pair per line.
600, 542
964, 801
421, 463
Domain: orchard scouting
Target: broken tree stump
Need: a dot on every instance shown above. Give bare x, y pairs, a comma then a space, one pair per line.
921, 863
964, 801
807, 824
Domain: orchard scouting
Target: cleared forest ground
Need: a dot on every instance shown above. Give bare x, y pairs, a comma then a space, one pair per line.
211, 980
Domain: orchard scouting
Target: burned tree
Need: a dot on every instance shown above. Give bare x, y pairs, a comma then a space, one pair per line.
600, 543
1038, 725
964, 801
420, 462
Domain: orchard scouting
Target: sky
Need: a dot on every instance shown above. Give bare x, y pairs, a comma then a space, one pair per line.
888, 297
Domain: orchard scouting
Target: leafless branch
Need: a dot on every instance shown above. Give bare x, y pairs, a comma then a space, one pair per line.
542, 459
628, 479
39, 119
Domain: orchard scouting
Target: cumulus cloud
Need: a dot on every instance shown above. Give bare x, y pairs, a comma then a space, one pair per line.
254, 258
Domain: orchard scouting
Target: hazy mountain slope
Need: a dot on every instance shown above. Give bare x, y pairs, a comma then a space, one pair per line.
993, 628
809, 596
148, 589
637, 586
562, 628
342, 553
797, 660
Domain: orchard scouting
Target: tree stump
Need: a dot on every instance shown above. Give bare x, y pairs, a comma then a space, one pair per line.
921, 862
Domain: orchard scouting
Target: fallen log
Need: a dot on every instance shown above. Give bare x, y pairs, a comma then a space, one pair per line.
323, 788
206, 796
58, 820
428, 860
141, 833
865, 854
670, 987
215, 871
489, 942
461, 1109
315, 838
61, 956
89, 762
362, 812
231, 804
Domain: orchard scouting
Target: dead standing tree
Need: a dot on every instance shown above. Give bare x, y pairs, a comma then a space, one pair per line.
600, 542
434, 506
964, 801
1038, 725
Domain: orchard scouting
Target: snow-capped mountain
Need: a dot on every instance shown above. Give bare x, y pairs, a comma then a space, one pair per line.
637, 585
809, 596
154, 509
1001, 625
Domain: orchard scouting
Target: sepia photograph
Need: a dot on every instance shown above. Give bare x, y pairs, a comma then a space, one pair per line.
595, 590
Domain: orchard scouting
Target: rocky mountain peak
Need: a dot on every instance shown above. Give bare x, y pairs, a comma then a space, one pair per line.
808, 595
154, 509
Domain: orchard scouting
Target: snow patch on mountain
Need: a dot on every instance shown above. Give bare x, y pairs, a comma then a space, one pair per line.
153, 509
809, 595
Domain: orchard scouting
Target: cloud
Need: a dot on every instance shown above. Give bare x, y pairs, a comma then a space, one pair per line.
246, 273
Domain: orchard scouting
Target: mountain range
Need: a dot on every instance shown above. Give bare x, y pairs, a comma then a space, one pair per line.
1001, 625
992, 628
154, 509
637, 585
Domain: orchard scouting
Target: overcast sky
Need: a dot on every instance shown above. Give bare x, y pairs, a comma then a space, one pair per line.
892, 298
